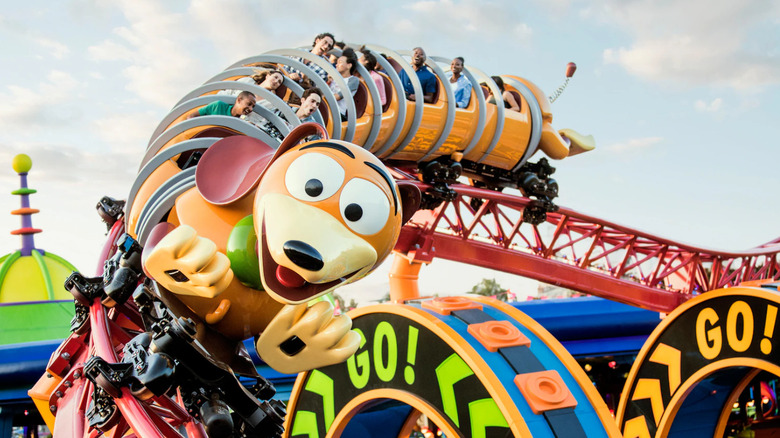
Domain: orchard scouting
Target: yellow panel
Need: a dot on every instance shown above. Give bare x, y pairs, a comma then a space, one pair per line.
410, 109
491, 122
58, 274
23, 282
463, 127
513, 141
389, 119
431, 125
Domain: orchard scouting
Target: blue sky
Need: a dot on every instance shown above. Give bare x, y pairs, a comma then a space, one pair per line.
683, 97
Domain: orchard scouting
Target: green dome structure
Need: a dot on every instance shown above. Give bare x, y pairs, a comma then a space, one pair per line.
34, 306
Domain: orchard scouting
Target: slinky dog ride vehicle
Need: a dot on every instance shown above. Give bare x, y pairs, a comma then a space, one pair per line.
228, 234
490, 144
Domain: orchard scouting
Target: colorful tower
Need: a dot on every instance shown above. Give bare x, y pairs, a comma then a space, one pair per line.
34, 305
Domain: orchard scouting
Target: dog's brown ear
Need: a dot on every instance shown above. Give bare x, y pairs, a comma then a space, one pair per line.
231, 168
410, 199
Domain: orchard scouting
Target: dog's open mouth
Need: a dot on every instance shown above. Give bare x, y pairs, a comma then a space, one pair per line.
285, 282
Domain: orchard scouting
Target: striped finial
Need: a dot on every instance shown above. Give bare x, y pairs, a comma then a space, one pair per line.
22, 164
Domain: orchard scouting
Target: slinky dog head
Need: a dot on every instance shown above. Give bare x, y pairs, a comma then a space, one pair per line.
325, 213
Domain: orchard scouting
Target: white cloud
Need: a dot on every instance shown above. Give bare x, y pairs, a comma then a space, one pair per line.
126, 132
404, 26
56, 48
158, 46
490, 20
36, 107
56, 163
523, 31
59, 85
215, 17
110, 50
749, 104
634, 144
430, 5
711, 107
90, 10
161, 49
696, 41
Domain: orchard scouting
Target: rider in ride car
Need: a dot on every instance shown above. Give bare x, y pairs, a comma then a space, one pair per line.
427, 79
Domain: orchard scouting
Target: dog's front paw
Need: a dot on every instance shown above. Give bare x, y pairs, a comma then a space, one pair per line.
302, 338
187, 264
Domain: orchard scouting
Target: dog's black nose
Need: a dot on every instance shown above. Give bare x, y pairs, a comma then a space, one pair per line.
303, 255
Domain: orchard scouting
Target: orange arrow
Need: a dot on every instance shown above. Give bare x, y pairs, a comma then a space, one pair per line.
670, 357
650, 388
636, 428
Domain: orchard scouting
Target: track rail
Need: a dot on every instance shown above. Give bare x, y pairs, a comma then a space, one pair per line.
106, 332
578, 251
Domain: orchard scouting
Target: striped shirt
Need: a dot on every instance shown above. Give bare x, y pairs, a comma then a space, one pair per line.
319, 71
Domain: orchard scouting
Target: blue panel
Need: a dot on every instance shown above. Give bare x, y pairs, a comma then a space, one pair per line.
605, 346
701, 409
24, 363
11, 353
384, 422
589, 318
11, 395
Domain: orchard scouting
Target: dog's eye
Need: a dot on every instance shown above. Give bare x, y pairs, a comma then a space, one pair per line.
313, 177
364, 206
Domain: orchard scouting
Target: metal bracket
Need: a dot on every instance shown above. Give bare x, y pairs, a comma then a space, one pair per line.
111, 377
84, 289
102, 412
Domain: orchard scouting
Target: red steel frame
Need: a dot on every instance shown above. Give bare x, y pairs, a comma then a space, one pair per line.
156, 417
578, 251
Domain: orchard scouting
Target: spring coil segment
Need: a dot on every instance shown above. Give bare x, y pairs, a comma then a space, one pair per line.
488, 143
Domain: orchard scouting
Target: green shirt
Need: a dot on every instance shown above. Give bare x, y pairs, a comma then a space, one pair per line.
216, 108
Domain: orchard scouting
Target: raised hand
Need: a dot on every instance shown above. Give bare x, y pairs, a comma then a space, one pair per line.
187, 264
301, 338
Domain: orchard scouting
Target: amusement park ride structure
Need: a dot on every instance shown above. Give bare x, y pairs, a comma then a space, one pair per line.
143, 361
578, 251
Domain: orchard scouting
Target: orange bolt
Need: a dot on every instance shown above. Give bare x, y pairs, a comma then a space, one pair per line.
446, 305
544, 391
498, 334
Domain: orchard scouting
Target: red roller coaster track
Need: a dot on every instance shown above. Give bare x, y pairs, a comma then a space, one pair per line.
577, 251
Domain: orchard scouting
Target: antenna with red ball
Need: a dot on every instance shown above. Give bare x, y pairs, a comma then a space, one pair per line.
570, 69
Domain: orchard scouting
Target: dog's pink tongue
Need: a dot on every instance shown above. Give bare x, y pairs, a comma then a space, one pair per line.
289, 278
